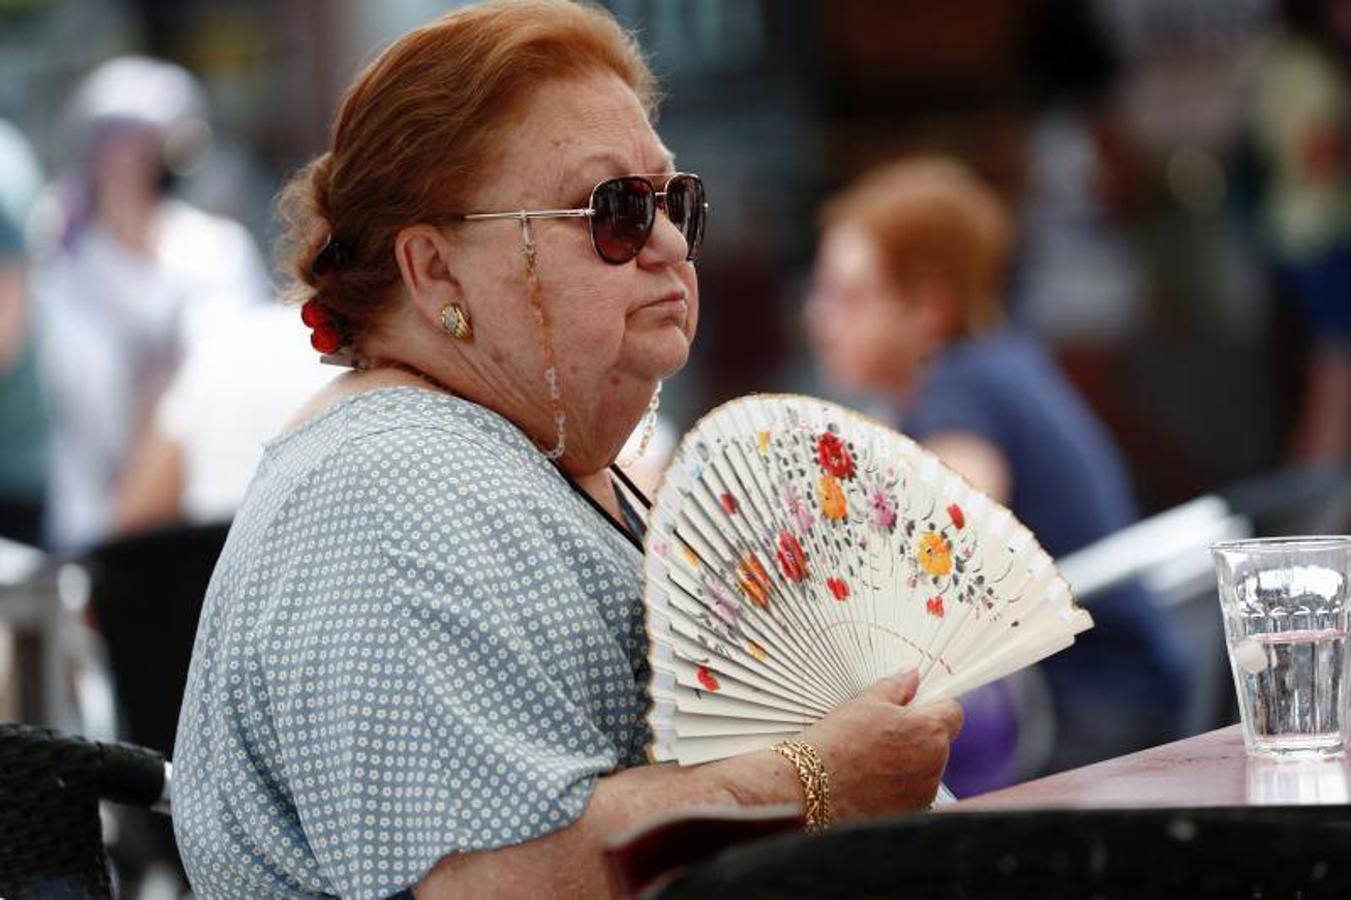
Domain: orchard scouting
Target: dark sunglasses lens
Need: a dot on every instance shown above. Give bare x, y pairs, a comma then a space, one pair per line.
624, 211
686, 208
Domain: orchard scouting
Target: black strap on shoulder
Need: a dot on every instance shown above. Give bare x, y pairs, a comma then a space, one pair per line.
631, 487
632, 517
636, 527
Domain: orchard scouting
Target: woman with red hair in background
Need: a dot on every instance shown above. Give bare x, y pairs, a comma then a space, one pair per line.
907, 303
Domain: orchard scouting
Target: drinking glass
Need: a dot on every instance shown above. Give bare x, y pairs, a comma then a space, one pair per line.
1285, 604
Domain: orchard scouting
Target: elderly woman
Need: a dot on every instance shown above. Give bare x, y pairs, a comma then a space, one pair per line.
422, 655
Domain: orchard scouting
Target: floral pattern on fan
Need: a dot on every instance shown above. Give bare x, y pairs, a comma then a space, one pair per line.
797, 552
939, 553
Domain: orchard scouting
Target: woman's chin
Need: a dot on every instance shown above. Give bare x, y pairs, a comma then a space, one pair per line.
662, 354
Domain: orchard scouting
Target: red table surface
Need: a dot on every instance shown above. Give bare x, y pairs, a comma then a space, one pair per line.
1207, 770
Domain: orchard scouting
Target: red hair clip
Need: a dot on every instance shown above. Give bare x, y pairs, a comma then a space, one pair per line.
325, 336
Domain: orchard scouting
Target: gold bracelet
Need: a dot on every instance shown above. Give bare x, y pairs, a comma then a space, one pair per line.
811, 772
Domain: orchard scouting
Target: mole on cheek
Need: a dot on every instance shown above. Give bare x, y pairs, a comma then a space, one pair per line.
614, 381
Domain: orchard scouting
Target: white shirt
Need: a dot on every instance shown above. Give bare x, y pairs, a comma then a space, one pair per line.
112, 327
233, 393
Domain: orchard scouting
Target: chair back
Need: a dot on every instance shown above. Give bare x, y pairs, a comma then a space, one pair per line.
651, 856
51, 841
147, 591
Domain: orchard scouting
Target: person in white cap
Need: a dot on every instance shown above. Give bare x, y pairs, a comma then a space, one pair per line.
129, 279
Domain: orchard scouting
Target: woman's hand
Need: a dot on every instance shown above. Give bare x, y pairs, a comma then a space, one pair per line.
882, 755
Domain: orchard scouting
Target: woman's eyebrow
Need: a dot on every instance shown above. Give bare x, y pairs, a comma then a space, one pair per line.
615, 165
618, 165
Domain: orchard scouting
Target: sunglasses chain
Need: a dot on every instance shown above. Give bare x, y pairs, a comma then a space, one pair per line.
649, 426
545, 341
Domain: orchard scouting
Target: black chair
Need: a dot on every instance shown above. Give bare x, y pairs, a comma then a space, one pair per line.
1301, 500
646, 859
1108, 854
146, 593
51, 841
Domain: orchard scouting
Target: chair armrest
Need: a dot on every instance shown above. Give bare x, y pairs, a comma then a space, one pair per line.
644, 860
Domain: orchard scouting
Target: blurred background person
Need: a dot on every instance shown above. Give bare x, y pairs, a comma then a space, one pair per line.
232, 394
1301, 131
132, 277
908, 304
23, 414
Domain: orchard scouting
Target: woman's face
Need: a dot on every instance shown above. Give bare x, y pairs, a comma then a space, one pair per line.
126, 162
616, 329
865, 334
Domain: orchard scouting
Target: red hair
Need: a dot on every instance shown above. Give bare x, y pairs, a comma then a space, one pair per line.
934, 219
416, 128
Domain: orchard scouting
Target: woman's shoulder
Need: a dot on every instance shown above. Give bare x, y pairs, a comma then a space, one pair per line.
998, 354
403, 471
1006, 369
435, 434
403, 447
388, 416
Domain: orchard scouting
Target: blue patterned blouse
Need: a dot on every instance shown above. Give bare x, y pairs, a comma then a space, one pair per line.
419, 639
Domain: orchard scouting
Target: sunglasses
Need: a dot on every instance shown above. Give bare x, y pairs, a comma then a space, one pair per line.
622, 212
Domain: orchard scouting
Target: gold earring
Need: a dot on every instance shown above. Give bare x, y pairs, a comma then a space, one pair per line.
455, 322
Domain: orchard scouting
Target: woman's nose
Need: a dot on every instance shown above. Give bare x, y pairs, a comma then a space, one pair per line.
665, 245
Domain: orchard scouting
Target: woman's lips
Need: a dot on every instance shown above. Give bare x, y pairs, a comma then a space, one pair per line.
672, 301
676, 296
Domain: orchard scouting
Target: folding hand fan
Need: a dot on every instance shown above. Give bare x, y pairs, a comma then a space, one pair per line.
798, 551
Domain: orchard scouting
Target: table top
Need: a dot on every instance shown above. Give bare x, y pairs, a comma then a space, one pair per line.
1207, 770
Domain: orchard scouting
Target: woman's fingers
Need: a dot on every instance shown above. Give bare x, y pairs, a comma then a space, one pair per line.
949, 715
899, 689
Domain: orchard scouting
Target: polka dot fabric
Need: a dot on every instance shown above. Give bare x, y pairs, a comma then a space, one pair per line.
418, 640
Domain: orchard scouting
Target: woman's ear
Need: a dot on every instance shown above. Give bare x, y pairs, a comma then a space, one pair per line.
423, 253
